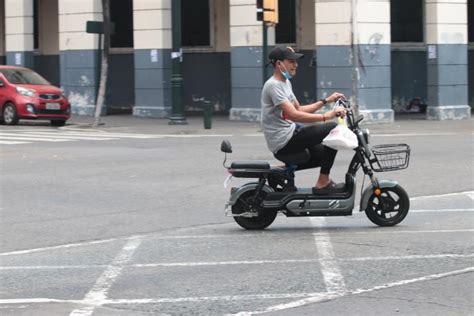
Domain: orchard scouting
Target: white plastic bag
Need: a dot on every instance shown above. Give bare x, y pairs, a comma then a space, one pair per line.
341, 137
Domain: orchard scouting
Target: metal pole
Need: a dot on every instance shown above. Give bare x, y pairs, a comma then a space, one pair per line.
264, 51
177, 89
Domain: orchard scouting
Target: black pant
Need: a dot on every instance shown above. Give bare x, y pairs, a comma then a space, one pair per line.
311, 137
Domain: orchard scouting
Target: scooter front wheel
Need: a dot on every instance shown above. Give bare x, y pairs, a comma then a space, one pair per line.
389, 208
247, 204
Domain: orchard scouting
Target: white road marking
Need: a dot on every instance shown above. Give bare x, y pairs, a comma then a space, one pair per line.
309, 297
332, 296
36, 139
332, 275
195, 135
468, 193
395, 231
78, 244
412, 257
64, 136
219, 263
113, 135
132, 135
234, 236
99, 291
51, 267
243, 262
7, 142
35, 300
443, 210
162, 300
417, 134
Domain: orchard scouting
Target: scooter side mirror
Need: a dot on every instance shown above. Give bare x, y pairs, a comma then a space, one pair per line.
226, 147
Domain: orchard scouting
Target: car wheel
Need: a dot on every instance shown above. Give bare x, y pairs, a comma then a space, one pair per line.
58, 122
9, 115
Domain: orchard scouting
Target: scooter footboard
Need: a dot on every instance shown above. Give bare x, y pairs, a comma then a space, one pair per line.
340, 204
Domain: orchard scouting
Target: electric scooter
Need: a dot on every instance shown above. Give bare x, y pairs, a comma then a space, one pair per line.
255, 205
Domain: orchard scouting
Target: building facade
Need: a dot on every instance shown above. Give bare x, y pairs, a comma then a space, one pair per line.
389, 56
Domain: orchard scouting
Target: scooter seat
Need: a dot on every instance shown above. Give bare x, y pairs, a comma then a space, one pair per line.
294, 159
256, 164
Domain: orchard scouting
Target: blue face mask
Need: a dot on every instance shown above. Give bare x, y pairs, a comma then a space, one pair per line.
286, 74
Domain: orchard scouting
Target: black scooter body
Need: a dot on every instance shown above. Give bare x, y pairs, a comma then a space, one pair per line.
255, 205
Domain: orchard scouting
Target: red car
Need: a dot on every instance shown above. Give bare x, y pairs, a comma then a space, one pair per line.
24, 94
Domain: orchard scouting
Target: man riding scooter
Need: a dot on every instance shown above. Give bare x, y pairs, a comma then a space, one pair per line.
282, 116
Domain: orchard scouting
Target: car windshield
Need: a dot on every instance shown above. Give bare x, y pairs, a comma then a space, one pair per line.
23, 76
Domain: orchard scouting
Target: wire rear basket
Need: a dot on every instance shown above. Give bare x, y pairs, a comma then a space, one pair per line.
390, 157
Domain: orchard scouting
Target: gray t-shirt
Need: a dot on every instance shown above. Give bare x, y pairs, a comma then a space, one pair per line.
277, 130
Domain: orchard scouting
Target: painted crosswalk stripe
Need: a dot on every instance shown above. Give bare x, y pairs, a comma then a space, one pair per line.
39, 139
8, 142
105, 134
59, 136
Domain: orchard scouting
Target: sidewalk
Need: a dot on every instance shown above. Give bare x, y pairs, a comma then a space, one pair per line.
222, 125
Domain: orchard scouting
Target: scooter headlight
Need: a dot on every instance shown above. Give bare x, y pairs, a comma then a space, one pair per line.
366, 134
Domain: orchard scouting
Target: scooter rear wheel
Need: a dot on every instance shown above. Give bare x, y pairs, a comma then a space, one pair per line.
246, 203
390, 208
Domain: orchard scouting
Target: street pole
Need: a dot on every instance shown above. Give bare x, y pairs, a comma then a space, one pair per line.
177, 89
265, 49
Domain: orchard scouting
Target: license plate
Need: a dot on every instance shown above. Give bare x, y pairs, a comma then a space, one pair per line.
53, 106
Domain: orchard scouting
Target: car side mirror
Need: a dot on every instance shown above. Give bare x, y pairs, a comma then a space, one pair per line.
226, 147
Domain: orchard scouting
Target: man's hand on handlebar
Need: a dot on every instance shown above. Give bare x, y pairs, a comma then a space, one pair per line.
335, 96
338, 111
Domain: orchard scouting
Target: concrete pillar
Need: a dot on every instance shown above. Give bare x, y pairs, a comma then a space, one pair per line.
78, 53
152, 41
353, 54
246, 40
447, 62
19, 32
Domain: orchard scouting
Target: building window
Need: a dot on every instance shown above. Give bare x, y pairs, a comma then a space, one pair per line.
470, 20
195, 23
407, 20
35, 25
121, 15
285, 31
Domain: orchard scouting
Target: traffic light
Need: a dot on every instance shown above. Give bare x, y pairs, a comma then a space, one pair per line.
267, 11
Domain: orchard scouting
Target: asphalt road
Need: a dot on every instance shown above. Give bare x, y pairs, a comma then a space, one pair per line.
129, 220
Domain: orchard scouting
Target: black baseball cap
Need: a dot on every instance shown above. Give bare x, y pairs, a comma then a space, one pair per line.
281, 53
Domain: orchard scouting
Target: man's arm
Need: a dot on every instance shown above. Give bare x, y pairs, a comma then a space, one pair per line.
295, 113
309, 108
313, 107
